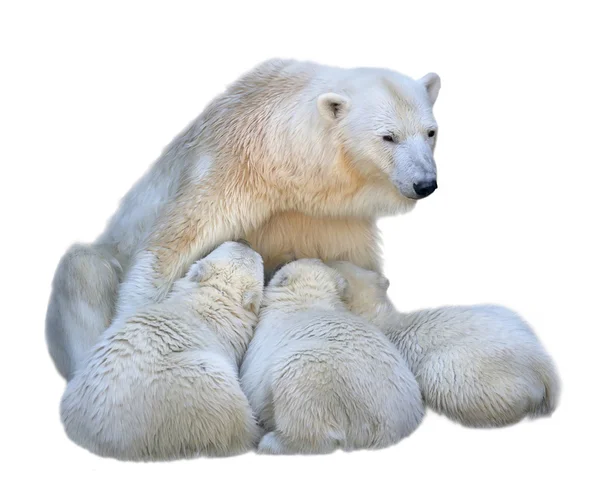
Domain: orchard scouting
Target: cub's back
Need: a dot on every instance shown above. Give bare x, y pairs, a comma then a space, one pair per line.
338, 340
159, 387
341, 374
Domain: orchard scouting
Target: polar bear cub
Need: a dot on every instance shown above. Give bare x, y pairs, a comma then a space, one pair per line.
481, 366
164, 384
321, 378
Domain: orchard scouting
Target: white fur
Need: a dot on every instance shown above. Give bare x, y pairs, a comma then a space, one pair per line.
82, 304
163, 384
482, 365
320, 378
260, 155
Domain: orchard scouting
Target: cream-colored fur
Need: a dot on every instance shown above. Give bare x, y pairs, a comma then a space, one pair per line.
297, 157
320, 378
482, 366
163, 384
350, 239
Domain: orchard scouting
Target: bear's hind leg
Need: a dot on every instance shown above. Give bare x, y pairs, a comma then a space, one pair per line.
84, 292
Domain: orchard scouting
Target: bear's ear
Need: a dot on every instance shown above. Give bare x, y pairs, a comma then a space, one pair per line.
332, 106
384, 283
432, 84
197, 271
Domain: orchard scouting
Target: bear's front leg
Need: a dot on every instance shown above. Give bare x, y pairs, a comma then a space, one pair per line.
198, 220
481, 366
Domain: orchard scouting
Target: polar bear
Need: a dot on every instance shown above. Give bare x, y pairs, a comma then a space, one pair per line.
320, 378
298, 158
481, 366
164, 383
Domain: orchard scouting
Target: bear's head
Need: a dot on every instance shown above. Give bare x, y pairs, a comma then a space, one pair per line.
233, 268
305, 283
366, 291
384, 123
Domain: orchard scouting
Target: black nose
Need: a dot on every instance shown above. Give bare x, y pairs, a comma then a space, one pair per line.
424, 188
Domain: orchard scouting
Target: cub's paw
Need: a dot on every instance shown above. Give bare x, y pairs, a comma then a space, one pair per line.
270, 443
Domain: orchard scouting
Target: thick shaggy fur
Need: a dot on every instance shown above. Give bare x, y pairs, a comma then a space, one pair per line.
164, 383
82, 304
320, 378
481, 366
298, 158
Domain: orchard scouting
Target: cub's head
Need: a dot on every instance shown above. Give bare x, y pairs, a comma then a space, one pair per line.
234, 268
305, 283
385, 126
366, 291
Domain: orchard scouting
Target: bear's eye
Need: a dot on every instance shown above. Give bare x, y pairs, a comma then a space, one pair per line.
431, 133
388, 138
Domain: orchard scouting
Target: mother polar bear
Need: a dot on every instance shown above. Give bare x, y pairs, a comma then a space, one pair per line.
297, 158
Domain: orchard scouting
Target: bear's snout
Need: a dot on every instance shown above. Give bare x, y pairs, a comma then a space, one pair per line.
425, 188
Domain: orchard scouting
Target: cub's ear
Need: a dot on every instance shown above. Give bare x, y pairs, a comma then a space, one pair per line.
332, 106
341, 285
197, 271
280, 278
432, 84
251, 300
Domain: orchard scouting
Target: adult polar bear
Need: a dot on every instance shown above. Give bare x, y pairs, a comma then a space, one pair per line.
298, 158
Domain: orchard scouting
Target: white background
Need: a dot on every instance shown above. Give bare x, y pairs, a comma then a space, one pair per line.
90, 95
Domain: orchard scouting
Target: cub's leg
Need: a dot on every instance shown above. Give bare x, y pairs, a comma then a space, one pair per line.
481, 366
291, 235
82, 303
271, 443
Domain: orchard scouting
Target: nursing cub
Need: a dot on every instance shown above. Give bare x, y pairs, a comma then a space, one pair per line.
164, 384
319, 377
481, 365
